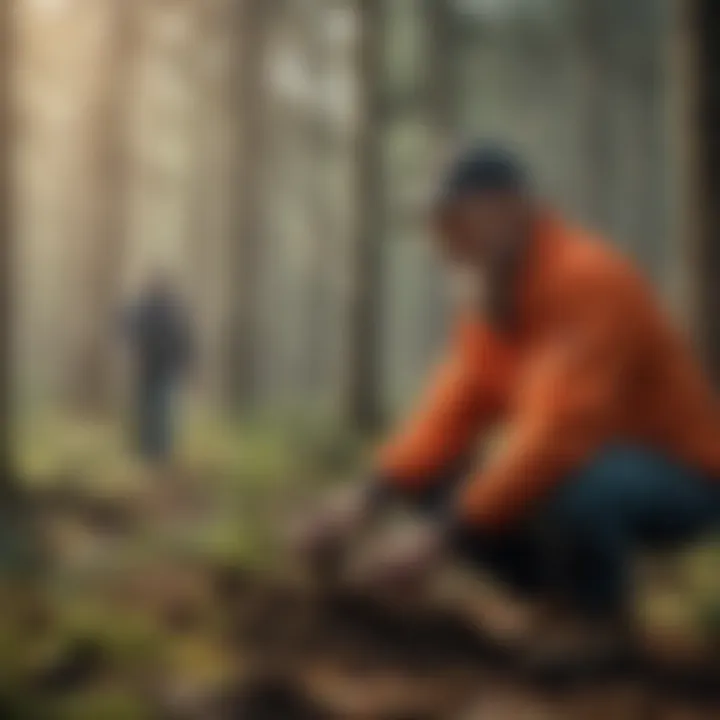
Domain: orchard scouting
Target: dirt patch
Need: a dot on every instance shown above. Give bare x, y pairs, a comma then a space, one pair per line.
301, 653
347, 656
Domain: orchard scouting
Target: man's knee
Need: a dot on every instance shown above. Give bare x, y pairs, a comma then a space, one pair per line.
602, 492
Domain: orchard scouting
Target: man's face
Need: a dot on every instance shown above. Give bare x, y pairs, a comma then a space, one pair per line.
482, 231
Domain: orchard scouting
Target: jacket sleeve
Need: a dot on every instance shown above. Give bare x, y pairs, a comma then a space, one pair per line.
457, 407
566, 408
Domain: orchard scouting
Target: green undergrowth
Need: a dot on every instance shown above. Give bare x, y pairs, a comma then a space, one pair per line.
225, 503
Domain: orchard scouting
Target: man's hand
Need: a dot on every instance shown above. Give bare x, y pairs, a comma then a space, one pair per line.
401, 562
323, 539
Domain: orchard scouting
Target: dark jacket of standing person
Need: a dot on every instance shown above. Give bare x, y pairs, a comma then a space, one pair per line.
160, 337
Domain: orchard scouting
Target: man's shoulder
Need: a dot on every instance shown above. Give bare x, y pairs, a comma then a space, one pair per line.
591, 265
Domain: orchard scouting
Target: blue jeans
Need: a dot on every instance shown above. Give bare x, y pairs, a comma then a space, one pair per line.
580, 541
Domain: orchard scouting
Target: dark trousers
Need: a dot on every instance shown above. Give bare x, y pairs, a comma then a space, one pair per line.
155, 415
580, 541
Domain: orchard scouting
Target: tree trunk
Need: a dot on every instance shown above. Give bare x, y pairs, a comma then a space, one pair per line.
364, 381
442, 68
708, 256
442, 110
7, 45
96, 365
594, 35
251, 20
316, 136
200, 242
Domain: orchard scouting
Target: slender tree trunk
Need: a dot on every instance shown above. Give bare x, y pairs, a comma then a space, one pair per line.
200, 246
442, 68
708, 260
364, 381
7, 58
251, 20
317, 139
595, 51
442, 109
96, 365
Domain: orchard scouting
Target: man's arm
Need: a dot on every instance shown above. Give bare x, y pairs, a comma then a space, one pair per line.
457, 408
566, 409
422, 464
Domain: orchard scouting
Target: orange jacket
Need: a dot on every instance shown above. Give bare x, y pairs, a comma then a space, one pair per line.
594, 361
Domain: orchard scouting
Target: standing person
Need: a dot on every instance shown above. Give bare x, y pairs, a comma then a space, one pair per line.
612, 429
159, 332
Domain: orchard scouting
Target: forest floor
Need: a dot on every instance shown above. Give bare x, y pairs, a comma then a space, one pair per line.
168, 596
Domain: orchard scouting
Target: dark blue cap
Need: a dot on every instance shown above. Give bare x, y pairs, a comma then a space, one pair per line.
483, 168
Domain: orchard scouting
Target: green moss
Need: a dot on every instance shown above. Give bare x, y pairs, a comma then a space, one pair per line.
129, 640
106, 703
